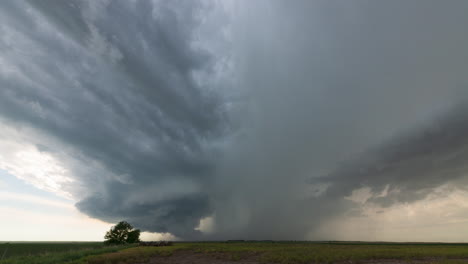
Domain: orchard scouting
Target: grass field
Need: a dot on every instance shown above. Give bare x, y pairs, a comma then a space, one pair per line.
51, 253
22, 249
242, 252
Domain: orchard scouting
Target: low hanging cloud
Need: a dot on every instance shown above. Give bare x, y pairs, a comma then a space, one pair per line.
120, 84
260, 118
410, 166
344, 96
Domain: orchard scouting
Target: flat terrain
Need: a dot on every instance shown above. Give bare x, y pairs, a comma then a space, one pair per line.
8, 250
52, 252
246, 253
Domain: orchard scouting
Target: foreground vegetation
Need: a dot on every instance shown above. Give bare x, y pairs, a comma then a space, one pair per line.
34, 248
261, 252
51, 253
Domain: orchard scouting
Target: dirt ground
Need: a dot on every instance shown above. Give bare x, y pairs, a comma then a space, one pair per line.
187, 257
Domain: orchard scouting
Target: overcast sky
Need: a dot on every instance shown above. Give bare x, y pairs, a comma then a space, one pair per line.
316, 120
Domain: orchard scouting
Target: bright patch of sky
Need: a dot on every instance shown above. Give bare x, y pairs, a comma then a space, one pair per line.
442, 217
31, 214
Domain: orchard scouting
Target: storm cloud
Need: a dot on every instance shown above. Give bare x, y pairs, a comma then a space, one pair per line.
119, 82
264, 117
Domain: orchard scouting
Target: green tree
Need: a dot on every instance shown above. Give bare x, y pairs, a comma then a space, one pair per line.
122, 233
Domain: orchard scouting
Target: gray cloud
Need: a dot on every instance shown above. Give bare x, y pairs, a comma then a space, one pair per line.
263, 115
334, 89
117, 82
411, 166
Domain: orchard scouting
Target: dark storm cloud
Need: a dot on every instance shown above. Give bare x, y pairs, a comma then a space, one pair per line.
117, 81
331, 97
411, 166
329, 81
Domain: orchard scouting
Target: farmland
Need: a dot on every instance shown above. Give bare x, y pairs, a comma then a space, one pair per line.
239, 252
21, 249
52, 252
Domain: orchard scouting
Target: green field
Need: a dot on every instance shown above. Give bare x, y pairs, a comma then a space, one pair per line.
22, 249
238, 252
51, 252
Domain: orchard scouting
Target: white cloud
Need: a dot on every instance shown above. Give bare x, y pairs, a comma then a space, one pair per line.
23, 160
148, 236
33, 199
438, 218
206, 225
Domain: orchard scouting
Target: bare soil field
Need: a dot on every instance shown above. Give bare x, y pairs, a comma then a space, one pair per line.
243, 253
190, 257
187, 257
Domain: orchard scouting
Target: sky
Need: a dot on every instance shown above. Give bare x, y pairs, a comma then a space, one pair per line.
213, 119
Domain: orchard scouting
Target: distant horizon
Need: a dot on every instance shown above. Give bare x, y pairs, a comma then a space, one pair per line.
241, 241
209, 120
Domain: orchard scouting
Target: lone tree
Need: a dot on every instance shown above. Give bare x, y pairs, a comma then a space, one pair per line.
122, 233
